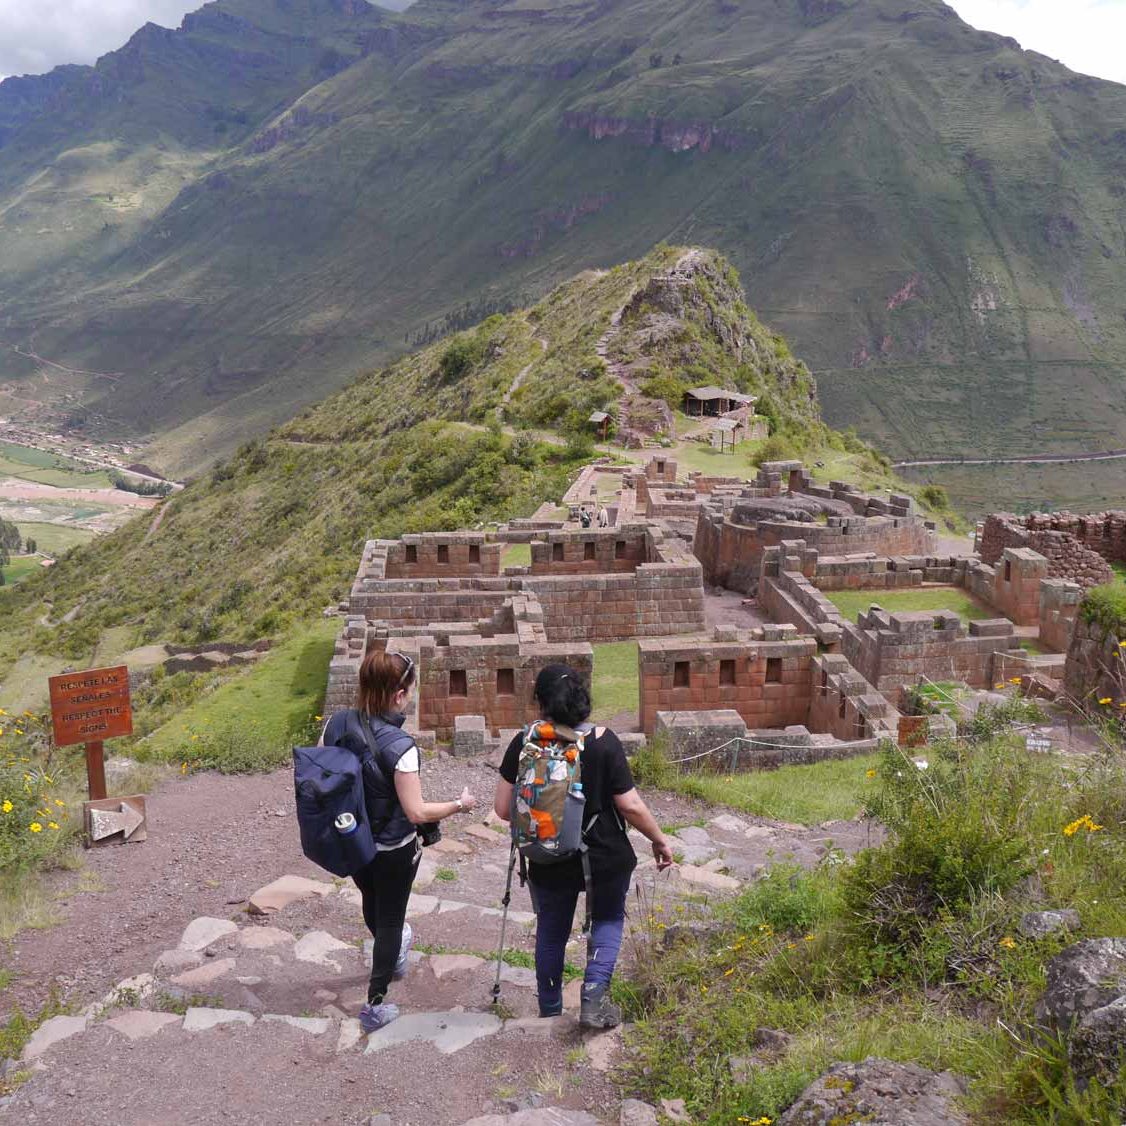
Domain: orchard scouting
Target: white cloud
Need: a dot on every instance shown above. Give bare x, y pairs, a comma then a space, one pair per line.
1086, 35
36, 35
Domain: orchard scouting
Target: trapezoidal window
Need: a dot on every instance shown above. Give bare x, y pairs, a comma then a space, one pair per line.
727, 672
557, 553
588, 550
411, 555
506, 682
619, 549
443, 553
474, 553
844, 705
459, 683
660, 467
680, 674
773, 670
1008, 570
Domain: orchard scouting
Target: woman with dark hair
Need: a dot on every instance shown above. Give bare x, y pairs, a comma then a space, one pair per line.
611, 801
393, 797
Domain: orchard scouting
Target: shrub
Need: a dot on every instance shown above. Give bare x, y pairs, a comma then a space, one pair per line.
460, 357
960, 833
1106, 605
935, 496
775, 448
667, 387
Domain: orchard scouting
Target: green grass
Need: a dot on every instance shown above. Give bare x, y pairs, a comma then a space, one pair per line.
1119, 570
615, 684
250, 721
516, 555
804, 795
48, 469
695, 455
54, 539
20, 567
853, 602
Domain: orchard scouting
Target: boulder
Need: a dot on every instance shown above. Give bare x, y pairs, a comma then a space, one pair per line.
1097, 1044
879, 1092
1040, 924
636, 1113
1084, 977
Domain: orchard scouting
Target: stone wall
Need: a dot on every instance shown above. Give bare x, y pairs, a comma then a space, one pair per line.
441, 555
591, 552
1059, 605
1096, 667
845, 705
894, 651
1016, 584
1077, 547
765, 678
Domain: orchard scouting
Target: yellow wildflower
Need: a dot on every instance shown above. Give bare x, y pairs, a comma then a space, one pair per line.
3, 711
1122, 645
1014, 680
869, 774
1007, 943
728, 973
19, 731
7, 807
60, 803
52, 825
35, 827
998, 687
1083, 822
1104, 700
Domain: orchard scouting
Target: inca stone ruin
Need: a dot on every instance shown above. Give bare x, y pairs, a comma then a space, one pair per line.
722, 582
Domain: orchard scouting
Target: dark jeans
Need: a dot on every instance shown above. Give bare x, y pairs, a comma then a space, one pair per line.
385, 885
555, 915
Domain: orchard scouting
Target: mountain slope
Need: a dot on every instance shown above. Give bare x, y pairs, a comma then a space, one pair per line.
932, 215
268, 538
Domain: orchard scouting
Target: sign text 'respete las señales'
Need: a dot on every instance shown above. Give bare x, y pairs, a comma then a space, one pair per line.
91, 706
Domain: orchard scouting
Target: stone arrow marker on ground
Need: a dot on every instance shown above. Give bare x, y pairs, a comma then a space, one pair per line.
107, 822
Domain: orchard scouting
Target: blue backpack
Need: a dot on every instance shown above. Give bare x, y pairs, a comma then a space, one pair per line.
329, 781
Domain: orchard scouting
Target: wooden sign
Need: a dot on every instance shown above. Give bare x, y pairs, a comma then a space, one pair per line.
90, 706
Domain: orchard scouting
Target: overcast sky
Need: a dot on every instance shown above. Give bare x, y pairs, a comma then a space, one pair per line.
35, 35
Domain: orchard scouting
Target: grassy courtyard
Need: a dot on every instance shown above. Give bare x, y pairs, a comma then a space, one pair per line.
957, 601
615, 680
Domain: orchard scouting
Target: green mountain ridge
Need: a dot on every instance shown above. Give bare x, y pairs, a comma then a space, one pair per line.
268, 538
933, 216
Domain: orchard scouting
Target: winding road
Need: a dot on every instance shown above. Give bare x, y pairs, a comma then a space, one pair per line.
1034, 459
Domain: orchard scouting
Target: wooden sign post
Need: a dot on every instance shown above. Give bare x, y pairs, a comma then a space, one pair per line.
90, 707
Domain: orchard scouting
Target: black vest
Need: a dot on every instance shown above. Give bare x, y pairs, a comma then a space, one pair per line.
389, 743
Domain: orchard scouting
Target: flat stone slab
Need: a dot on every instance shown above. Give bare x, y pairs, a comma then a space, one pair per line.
178, 959
445, 906
701, 877
52, 1032
200, 933
319, 947
603, 1049
138, 1024
520, 918
349, 1036
205, 974
263, 938
200, 1020
541, 1116
315, 1026
421, 905
729, 824
518, 975
448, 1032
561, 1026
426, 874
446, 965
451, 847
284, 891
694, 835
486, 835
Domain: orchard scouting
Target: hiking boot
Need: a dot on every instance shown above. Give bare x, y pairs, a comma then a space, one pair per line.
400, 970
597, 1010
552, 1007
375, 1017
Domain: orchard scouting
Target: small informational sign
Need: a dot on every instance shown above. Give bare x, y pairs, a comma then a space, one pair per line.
1038, 743
91, 706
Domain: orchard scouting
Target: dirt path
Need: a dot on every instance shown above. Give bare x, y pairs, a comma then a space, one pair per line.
271, 1000
521, 375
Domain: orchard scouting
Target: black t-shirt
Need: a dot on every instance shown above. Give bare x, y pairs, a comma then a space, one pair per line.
605, 773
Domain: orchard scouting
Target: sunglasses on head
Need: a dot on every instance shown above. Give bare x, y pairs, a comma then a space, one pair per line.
407, 670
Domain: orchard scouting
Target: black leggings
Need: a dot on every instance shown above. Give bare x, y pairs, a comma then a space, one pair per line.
385, 885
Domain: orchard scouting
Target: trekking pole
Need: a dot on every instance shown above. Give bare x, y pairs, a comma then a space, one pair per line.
504, 921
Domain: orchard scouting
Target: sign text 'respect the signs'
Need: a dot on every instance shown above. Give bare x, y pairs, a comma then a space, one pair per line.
90, 706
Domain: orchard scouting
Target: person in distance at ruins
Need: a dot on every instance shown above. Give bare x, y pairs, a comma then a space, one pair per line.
604, 780
398, 814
